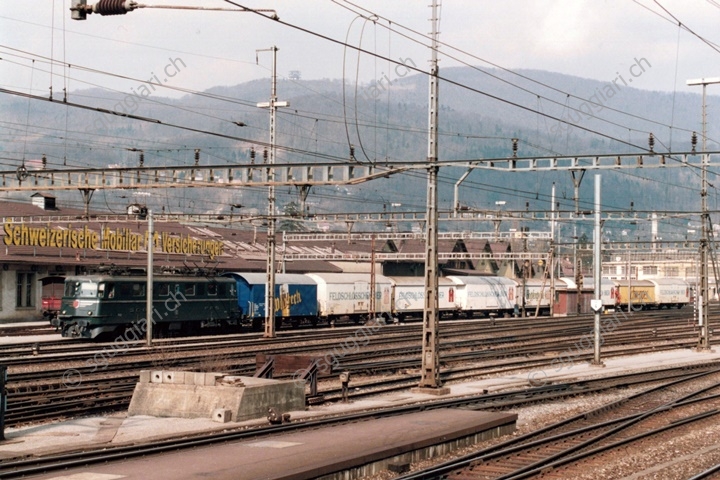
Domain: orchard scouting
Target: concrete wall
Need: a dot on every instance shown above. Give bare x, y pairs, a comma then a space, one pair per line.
201, 395
8, 294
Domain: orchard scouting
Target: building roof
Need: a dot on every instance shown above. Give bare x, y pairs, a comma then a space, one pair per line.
65, 240
36, 237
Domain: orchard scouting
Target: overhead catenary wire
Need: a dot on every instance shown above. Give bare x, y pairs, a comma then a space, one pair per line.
459, 84
568, 95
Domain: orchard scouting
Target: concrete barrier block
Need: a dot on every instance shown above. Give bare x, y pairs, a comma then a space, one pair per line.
170, 376
145, 376
156, 376
205, 379
212, 378
221, 415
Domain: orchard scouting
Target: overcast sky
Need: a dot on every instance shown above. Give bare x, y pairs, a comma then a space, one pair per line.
592, 39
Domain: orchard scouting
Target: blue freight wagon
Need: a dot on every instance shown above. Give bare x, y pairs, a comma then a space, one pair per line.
295, 298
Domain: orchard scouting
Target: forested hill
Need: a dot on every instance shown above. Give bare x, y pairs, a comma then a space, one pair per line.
386, 120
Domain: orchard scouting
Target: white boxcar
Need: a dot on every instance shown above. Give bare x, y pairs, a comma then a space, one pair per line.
348, 294
671, 292
484, 295
606, 293
536, 293
409, 296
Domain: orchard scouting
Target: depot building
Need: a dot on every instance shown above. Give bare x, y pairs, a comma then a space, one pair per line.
43, 242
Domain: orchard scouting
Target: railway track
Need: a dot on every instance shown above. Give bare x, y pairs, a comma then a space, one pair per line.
109, 452
58, 345
566, 449
478, 334
89, 395
462, 356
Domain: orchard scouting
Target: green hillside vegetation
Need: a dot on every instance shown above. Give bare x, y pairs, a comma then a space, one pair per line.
384, 123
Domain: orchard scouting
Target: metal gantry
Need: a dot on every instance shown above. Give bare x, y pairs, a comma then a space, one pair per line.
191, 176
320, 173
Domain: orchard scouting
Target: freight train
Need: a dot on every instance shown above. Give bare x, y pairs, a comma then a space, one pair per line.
330, 297
105, 305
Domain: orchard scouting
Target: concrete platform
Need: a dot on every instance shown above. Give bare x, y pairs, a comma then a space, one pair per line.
344, 451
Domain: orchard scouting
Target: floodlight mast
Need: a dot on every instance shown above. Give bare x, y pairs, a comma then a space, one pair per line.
80, 9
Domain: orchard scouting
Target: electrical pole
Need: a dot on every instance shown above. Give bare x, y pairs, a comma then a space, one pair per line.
430, 370
373, 282
577, 264
596, 302
149, 287
551, 267
703, 300
273, 105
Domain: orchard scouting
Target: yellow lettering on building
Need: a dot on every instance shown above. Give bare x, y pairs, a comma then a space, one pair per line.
119, 239
27, 236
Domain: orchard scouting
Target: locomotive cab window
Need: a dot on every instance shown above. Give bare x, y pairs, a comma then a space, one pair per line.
163, 289
125, 290
189, 290
212, 289
138, 290
71, 288
88, 290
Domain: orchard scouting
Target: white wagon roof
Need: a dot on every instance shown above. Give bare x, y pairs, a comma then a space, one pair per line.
417, 281
255, 278
570, 283
471, 280
669, 281
346, 278
632, 283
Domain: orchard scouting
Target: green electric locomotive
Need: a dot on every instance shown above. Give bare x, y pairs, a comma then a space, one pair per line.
106, 306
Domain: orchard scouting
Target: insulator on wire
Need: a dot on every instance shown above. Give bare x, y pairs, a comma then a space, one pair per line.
265, 155
252, 155
651, 142
352, 151
514, 147
197, 156
114, 7
693, 141
44, 162
142, 159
